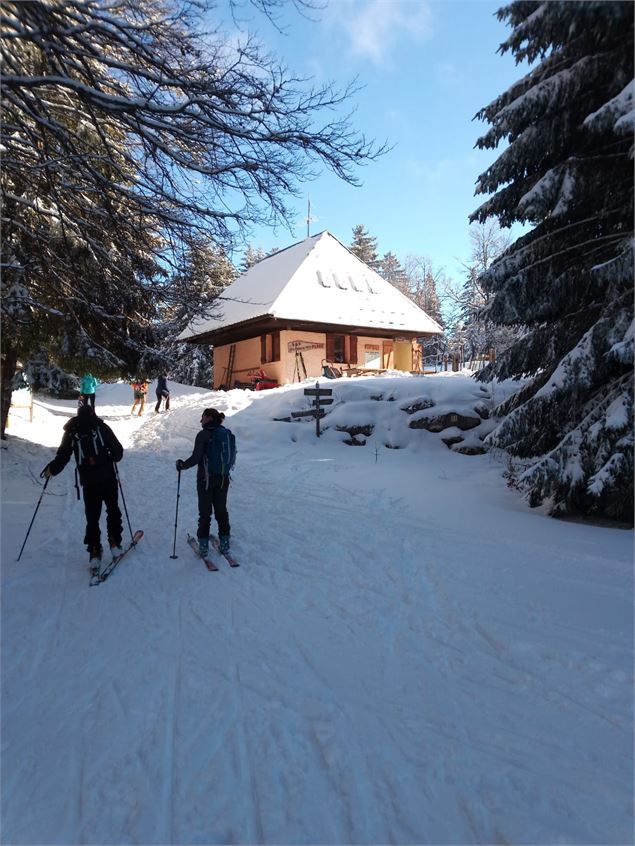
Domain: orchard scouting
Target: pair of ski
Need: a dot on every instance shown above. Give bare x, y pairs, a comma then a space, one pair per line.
193, 543
100, 577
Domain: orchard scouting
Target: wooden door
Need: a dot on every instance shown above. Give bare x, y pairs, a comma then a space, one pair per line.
387, 361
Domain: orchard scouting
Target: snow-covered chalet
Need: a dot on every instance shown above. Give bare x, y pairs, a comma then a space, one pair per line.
310, 305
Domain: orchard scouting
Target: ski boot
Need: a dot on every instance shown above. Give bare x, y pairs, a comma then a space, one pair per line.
223, 544
116, 548
94, 562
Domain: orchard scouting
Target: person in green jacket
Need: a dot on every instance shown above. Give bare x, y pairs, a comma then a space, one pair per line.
87, 388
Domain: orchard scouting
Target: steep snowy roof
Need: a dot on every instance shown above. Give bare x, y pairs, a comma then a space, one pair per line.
317, 280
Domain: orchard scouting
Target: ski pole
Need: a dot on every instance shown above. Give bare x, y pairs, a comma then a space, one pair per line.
123, 499
33, 518
176, 518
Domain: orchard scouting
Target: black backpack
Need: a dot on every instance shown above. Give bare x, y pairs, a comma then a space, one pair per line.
89, 447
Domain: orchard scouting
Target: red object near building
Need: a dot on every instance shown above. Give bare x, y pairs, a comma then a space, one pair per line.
263, 384
262, 381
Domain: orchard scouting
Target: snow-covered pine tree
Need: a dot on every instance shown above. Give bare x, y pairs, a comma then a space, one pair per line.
364, 246
191, 364
44, 375
568, 170
430, 301
251, 256
423, 280
194, 291
392, 271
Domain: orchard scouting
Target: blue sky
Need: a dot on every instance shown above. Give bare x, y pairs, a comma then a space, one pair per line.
427, 68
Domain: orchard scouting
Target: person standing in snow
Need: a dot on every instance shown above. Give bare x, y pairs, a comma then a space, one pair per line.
211, 487
139, 390
88, 386
162, 393
96, 450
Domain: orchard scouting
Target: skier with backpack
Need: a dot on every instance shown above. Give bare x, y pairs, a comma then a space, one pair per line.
96, 449
215, 455
139, 390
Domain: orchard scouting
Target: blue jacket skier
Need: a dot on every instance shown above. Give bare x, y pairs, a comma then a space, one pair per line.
211, 488
87, 388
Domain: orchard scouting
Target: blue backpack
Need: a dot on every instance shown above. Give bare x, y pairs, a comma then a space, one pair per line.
221, 452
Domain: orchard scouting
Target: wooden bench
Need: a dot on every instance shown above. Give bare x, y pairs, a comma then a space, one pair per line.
364, 371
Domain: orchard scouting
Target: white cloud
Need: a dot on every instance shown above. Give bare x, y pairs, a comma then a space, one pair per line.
374, 28
450, 75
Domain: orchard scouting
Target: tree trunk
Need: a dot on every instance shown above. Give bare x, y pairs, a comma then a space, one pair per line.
7, 372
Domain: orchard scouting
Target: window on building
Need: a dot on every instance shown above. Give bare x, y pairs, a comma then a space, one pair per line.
341, 349
372, 356
270, 347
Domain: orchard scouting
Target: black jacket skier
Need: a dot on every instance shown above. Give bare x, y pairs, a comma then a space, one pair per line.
96, 449
162, 393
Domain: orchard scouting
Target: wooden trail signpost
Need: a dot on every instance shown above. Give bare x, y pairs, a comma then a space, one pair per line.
323, 396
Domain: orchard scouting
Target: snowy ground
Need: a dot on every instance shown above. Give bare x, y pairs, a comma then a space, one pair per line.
407, 654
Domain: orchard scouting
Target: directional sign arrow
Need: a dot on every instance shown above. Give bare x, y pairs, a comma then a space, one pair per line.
318, 392
310, 413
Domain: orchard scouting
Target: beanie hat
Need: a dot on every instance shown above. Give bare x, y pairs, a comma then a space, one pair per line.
86, 418
84, 412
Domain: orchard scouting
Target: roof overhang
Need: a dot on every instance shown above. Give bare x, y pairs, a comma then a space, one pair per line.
268, 323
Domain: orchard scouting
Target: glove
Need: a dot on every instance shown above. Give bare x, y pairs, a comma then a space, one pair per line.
179, 465
46, 473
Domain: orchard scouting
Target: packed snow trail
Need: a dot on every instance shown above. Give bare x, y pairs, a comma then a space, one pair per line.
405, 655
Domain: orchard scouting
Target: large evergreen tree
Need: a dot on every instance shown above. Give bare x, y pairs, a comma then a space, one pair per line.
568, 171
364, 246
424, 280
194, 291
392, 271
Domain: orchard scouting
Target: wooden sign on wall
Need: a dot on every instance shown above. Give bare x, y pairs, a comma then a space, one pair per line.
299, 346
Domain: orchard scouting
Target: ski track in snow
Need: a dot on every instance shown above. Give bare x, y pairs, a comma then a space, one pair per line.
372, 673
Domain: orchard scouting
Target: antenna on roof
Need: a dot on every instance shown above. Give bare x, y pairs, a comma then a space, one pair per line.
309, 219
